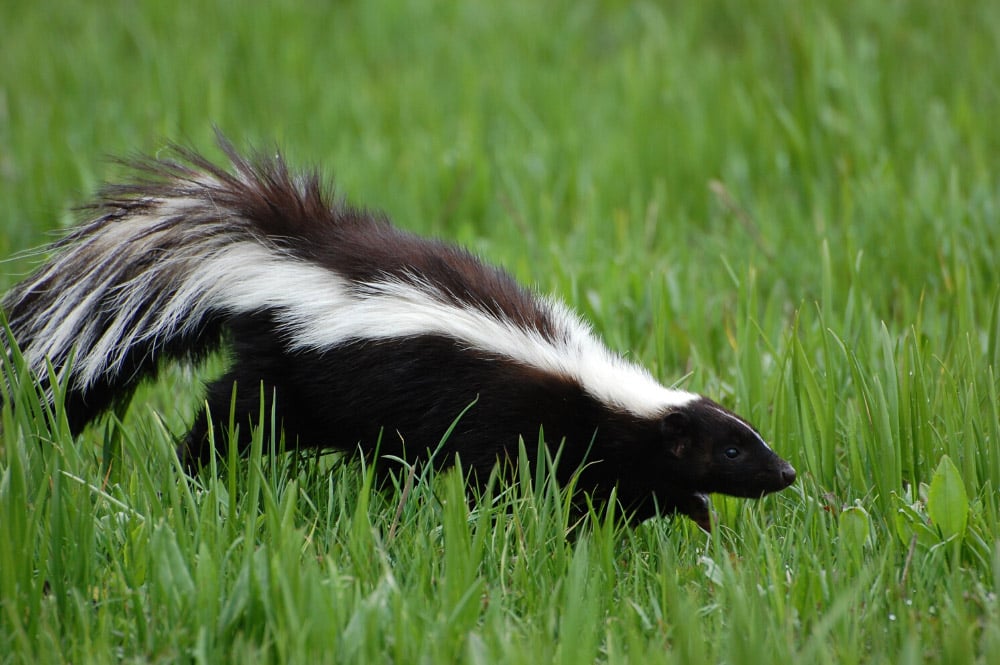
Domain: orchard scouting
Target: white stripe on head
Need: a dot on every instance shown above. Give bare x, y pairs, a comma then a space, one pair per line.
742, 423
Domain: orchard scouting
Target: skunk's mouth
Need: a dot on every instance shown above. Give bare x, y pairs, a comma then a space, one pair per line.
699, 509
757, 484
783, 478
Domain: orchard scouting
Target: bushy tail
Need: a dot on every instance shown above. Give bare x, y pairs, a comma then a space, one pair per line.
165, 262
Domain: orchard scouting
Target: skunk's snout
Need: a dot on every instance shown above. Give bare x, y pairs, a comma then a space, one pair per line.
787, 475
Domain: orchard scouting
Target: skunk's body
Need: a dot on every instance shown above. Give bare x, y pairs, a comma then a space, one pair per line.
359, 333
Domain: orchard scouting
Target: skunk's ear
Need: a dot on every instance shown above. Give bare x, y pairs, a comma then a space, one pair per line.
675, 429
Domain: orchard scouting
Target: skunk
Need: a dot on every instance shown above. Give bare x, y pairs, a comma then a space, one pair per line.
359, 336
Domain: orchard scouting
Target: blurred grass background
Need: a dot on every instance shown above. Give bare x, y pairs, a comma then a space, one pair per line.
791, 207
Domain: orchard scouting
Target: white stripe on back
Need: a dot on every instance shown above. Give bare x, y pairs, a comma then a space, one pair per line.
316, 309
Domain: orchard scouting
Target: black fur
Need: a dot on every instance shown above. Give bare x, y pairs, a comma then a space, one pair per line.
404, 391
408, 392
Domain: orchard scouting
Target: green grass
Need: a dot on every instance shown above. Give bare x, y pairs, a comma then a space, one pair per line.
791, 207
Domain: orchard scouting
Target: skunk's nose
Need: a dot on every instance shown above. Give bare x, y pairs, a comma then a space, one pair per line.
788, 475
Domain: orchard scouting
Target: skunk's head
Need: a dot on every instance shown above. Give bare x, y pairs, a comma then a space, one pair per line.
670, 461
720, 452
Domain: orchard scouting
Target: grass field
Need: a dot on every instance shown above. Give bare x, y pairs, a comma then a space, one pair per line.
791, 207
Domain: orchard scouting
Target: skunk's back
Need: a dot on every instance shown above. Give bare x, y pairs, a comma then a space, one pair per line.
173, 255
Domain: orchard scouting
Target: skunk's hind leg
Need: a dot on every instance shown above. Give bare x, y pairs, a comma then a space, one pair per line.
232, 411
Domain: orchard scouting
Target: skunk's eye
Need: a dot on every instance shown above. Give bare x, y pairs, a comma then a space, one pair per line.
732, 453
